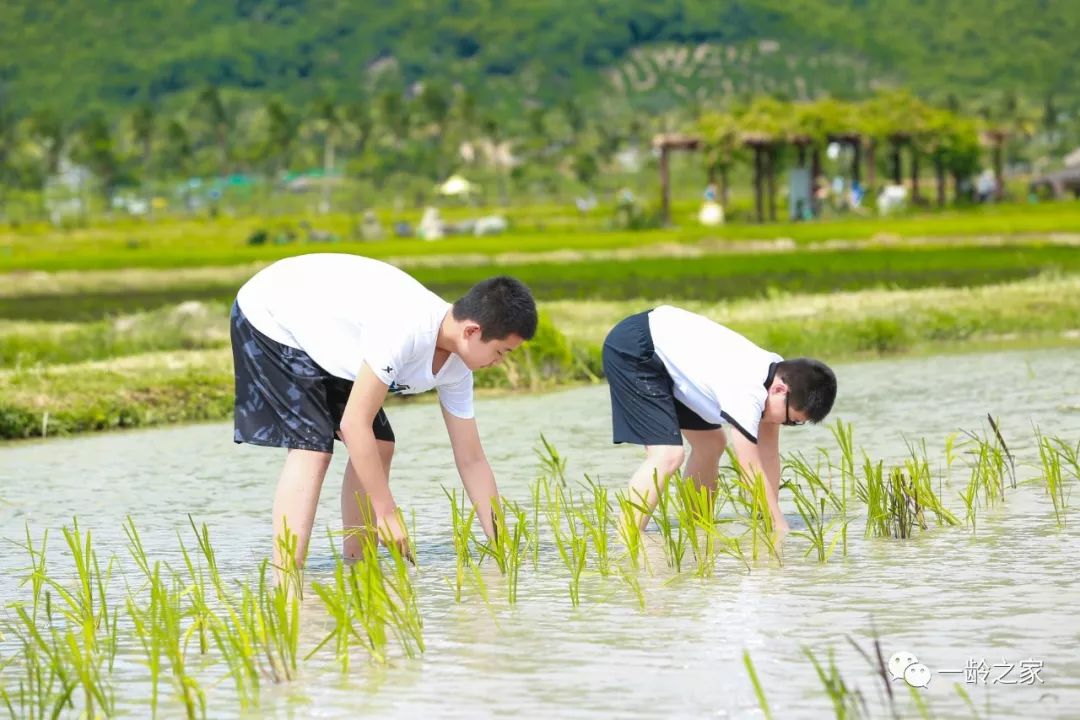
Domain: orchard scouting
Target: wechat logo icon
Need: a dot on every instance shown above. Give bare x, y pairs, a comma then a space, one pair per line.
905, 666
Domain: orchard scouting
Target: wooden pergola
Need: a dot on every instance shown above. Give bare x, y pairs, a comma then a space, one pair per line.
666, 143
766, 149
995, 139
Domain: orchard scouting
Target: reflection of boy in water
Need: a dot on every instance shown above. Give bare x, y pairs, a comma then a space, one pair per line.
674, 375
318, 342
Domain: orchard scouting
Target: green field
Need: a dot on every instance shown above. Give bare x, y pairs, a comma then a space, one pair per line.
89, 342
170, 243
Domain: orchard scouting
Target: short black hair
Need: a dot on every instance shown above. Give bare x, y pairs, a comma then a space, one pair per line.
502, 306
811, 386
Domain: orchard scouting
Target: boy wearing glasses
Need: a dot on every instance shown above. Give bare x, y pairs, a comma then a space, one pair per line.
675, 374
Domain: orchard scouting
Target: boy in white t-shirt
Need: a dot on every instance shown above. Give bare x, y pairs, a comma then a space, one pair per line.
318, 342
675, 374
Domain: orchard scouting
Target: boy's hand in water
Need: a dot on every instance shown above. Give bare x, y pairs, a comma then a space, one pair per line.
392, 533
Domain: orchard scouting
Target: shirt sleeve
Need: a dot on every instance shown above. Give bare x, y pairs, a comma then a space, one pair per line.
457, 397
744, 413
386, 350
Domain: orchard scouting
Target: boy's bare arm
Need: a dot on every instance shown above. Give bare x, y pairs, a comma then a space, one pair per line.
764, 457
473, 467
367, 396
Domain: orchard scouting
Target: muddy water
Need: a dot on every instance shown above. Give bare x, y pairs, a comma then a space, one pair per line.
1006, 595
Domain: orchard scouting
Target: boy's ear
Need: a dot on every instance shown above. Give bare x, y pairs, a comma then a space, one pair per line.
471, 329
778, 386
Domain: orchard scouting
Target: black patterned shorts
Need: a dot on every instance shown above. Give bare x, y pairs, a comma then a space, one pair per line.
644, 410
284, 398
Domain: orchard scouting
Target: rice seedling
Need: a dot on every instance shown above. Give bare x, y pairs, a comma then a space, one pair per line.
37, 577
159, 628
230, 629
812, 509
1004, 449
45, 685
401, 601
381, 603
917, 466
337, 599
970, 497
570, 541
846, 701
967, 699
1070, 455
892, 504
461, 527
552, 465
354, 598
758, 690
950, 453
595, 515
988, 470
629, 576
536, 490
508, 546
696, 508
279, 609
69, 643
749, 498
1050, 457
845, 438
813, 515
629, 530
89, 639
673, 534
920, 703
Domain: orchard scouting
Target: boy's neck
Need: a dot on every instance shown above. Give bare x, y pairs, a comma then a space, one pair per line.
449, 330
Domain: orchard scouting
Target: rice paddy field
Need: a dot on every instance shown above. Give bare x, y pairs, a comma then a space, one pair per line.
930, 571
920, 527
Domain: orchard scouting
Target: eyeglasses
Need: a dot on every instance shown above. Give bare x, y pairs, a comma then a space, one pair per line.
787, 413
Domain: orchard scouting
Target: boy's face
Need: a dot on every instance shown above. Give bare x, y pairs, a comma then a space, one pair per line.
478, 353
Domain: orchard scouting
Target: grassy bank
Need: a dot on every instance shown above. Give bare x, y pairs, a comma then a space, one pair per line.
54, 395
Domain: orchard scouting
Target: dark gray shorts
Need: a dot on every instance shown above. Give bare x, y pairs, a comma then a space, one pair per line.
283, 397
644, 410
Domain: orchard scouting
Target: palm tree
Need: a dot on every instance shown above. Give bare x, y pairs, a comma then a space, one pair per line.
178, 146
7, 149
143, 121
213, 108
94, 148
358, 118
331, 125
47, 130
281, 134
394, 115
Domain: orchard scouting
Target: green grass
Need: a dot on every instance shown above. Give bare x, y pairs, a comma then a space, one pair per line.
189, 326
709, 278
166, 243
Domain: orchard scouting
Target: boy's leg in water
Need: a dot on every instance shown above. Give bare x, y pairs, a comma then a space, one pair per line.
296, 499
355, 505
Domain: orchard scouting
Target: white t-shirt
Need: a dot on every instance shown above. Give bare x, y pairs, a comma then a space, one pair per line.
344, 310
717, 373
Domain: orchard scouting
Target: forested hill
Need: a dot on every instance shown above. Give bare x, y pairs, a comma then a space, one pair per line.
70, 55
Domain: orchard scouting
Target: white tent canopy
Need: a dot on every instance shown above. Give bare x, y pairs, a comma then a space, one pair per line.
457, 185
